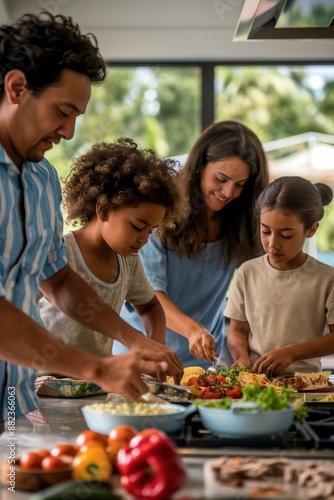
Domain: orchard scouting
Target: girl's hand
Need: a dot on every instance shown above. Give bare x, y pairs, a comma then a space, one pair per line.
242, 361
273, 362
201, 344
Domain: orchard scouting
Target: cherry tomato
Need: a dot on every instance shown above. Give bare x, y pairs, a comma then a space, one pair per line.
112, 452
122, 433
149, 430
31, 460
202, 380
221, 379
234, 393
43, 453
193, 381
142, 435
52, 463
63, 449
86, 436
213, 392
211, 379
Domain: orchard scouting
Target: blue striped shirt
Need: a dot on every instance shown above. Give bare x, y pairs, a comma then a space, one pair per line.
31, 249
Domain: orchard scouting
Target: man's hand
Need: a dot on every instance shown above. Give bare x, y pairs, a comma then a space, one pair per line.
159, 352
122, 374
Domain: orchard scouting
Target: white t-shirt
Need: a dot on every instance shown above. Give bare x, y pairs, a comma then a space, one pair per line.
283, 307
131, 284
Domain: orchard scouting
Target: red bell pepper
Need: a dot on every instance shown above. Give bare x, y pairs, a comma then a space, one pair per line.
150, 467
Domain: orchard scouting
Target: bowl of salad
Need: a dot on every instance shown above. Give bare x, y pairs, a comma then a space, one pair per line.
261, 412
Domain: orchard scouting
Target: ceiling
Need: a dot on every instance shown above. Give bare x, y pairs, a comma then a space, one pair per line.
202, 30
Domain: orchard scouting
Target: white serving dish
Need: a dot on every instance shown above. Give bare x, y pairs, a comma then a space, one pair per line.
169, 423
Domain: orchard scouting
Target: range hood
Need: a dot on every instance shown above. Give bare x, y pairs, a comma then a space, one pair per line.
286, 20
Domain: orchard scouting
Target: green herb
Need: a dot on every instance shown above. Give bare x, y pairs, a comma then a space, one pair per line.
232, 375
301, 413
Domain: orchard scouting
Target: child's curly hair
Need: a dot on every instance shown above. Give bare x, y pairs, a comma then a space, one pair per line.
118, 175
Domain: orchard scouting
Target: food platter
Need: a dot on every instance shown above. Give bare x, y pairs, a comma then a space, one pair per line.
65, 387
218, 383
267, 478
317, 397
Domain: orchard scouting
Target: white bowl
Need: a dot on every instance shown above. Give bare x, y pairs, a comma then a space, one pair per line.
167, 422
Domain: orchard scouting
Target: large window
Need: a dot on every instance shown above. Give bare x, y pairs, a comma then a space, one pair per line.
158, 107
165, 107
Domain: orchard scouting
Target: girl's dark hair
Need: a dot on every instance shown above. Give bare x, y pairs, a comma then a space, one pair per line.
118, 175
42, 46
221, 141
296, 196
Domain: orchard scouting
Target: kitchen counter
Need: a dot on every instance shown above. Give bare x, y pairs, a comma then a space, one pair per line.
61, 420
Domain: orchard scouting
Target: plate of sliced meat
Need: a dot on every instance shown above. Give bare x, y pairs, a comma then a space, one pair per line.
268, 478
307, 382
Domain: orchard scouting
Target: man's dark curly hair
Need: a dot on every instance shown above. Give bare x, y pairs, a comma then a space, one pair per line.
119, 175
42, 46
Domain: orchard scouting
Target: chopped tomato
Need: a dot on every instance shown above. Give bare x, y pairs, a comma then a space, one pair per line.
211, 379
193, 381
213, 392
202, 380
234, 393
221, 379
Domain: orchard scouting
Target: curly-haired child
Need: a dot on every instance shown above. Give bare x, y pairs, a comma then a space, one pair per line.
119, 194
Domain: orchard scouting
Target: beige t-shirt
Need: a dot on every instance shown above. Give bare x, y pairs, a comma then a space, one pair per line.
283, 307
131, 285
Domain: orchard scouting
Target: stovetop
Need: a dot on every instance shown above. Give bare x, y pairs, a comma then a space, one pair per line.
320, 424
316, 433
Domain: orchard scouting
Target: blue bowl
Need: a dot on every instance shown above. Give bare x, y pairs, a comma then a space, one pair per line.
246, 420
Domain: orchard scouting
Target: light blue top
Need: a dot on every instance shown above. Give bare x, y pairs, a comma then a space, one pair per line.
197, 286
31, 248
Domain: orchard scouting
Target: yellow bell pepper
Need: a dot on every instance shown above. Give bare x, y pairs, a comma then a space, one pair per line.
92, 464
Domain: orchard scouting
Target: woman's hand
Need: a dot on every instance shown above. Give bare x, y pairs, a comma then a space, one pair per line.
201, 343
273, 362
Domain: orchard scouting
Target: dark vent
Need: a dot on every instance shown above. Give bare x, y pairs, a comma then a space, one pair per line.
286, 20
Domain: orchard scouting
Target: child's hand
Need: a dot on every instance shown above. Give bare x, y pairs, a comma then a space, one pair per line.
273, 362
